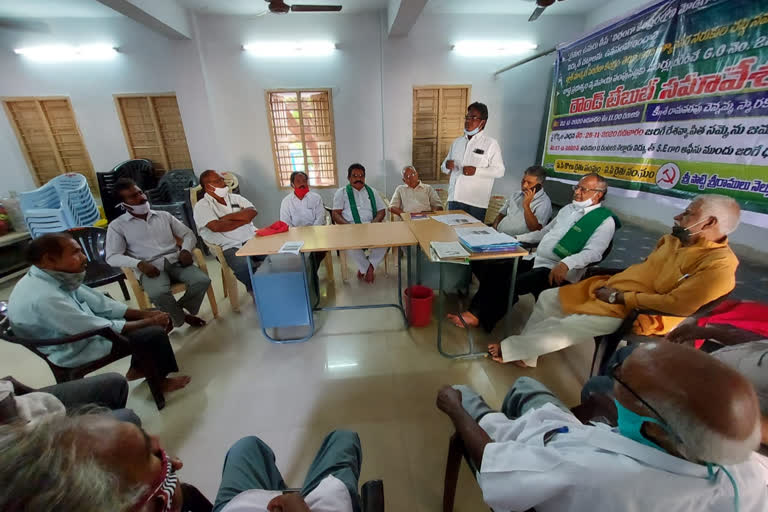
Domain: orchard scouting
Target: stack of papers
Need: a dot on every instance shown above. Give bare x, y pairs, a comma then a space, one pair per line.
486, 239
449, 250
292, 247
456, 219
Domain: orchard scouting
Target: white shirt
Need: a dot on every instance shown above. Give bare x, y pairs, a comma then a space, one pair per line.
513, 223
303, 212
422, 198
552, 233
481, 152
329, 496
208, 209
592, 468
131, 240
363, 202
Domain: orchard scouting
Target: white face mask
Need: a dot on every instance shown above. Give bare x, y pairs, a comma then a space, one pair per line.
221, 192
470, 133
582, 204
137, 209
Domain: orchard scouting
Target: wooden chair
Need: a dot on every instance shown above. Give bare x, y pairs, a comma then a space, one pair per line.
120, 348
607, 344
494, 207
143, 300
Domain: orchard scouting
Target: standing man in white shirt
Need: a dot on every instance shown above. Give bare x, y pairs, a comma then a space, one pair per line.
527, 210
359, 204
473, 162
555, 262
145, 240
687, 429
414, 196
226, 220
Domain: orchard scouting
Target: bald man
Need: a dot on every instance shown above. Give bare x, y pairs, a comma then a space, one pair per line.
689, 268
687, 429
94, 463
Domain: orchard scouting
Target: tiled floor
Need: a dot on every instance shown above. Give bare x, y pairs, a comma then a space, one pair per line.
361, 371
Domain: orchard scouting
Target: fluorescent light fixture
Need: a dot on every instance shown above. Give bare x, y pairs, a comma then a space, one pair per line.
341, 364
291, 48
492, 48
63, 52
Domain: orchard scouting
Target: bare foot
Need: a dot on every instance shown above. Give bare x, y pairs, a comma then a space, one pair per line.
360, 275
494, 349
369, 275
194, 321
171, 384
469, 319
521, 364
134, 374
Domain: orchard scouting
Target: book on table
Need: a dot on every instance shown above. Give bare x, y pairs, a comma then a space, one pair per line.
486, 239
449, 250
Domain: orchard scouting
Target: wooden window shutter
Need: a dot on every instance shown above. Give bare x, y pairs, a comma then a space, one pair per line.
302, 133
49, 138
153, 130
438, 119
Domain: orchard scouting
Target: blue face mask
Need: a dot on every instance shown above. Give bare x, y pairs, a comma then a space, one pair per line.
470, 133
631, 425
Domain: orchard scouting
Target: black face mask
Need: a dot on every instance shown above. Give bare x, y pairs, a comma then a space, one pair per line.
681, 233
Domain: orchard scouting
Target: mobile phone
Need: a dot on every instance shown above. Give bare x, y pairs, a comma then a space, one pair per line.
537, 188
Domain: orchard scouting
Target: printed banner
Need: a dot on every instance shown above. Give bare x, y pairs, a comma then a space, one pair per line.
671, 101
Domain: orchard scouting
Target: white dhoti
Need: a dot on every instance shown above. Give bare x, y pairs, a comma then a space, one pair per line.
549, 329
362, 261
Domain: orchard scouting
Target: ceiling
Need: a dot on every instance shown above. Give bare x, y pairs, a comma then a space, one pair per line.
94, 9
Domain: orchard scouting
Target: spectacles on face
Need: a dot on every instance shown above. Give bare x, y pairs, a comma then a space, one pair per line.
613, 374
472, 118
163, 489
357, 176
579, 188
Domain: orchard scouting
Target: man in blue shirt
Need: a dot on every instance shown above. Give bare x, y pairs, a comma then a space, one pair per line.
52, 302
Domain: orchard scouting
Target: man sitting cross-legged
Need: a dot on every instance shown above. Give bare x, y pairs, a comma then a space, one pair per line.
687, 429
52, 302
575, 239
688, 269
358, 203
146, 240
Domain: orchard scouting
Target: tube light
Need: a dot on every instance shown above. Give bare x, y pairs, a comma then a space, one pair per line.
291, 48
492, 48
63, 52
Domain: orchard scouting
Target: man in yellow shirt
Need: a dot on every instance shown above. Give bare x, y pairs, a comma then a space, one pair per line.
689, 268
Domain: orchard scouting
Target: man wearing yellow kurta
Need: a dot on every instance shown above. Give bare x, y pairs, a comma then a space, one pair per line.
689, 268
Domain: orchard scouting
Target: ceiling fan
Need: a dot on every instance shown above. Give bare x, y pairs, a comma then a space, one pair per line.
540, 6
280, 7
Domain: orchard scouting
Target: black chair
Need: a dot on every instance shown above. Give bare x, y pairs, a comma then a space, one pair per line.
139, 170
98, 272
172, 192
606, 345
120, 348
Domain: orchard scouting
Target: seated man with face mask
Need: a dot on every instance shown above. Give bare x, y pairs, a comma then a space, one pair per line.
687, 429
575, 239
688, 269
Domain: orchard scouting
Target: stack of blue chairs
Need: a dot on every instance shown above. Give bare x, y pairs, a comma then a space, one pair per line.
63, 203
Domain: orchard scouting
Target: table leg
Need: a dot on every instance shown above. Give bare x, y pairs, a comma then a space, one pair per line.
409, 284
508, 320
418, 264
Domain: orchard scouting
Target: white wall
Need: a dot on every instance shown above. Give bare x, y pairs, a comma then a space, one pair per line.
657, 215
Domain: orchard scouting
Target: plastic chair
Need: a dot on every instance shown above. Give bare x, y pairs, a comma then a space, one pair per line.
494, 207
64, 202
443, 195
607, 344
139, 170
98, 272
76, 196
120, 348
143, 300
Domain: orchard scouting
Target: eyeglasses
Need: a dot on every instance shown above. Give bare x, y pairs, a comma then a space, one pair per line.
357, 176
472, 118
579, 188
612, 372
164, 488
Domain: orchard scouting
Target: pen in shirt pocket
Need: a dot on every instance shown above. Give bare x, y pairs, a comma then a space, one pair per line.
684, 276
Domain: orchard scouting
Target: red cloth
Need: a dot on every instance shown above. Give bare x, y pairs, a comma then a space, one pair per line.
277, 227
749, 316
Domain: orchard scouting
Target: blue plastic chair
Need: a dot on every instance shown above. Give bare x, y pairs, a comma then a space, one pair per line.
77, 199
63, 203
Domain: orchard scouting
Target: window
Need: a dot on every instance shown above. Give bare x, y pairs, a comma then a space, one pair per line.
153, 130
438, 118
301, 127
49, 137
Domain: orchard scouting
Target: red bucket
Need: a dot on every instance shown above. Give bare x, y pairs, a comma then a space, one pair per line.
418, 303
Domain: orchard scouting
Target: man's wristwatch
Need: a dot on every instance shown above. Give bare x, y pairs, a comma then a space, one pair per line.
612, 297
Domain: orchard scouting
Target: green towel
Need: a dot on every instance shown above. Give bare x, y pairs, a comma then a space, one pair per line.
353, 203
578, 236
